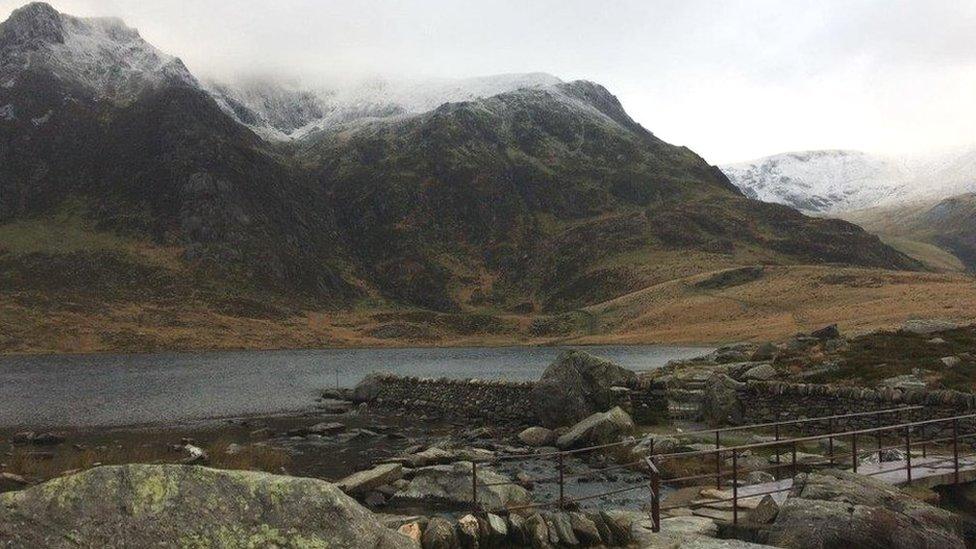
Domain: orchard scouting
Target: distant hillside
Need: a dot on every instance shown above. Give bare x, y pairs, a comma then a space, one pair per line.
138, 189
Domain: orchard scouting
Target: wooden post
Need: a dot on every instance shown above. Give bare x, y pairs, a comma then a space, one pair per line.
735, 487
561, 483
955, 450
830, 439
718, 461
794, 458
908, 451
854, 451
779, 449
655, 501
877, 435
474, 485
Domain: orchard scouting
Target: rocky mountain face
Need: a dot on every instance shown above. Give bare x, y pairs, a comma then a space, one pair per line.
543, 195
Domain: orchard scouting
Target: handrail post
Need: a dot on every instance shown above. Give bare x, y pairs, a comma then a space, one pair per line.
718, 461
778, 450
877, 435
854, 450
655, 501
908, 451
794, 458
474, 485
830, 439
955, 450
735, 487
561, 484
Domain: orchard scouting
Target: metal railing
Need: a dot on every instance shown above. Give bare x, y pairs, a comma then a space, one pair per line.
650, 463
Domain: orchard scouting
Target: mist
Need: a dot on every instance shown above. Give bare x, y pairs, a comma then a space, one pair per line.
732, 80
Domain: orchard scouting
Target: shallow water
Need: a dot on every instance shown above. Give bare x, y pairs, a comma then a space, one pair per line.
114, 390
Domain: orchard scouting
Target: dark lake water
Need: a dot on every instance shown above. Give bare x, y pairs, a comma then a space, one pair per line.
116, 390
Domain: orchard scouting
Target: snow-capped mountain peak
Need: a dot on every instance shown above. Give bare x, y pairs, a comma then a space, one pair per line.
101, 55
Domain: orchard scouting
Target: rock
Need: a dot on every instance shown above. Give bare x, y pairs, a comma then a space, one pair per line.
10, 481
370, 387
374, 499
370, 479
720, 403
497, 529
676, 532
732, 353
179, 505
537, 436
23, 437
841, 509
263, 432
452, 484
194, 454
468, 531
326, 428
585, 529
763, 372
517, 531
334, 406
759, 477
575, 386
906, 381
827, 332
766, 351
928, 326
47, 439
438, 456
936, 341
656, 444
951, 361
621, 524
887, 455
560, 524
765, 512
840, 448
413, 531
537, 532
599, 428
440, 534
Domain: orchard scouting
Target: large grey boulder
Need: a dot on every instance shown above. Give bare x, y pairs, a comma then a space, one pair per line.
720, 402
452, 484
370, 387
576, 385
599, 428
841, 509
363, 481
182, 505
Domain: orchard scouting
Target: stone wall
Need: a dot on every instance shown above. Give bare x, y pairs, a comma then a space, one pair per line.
768, 401
490, 399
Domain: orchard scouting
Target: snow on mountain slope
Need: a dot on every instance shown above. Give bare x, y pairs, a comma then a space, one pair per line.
835, 181
288, 110
101, 55
820, 181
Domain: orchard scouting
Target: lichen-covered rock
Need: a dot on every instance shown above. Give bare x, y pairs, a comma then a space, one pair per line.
537, 436
181, 506
841, 509
361, 482
452, 484
440, 534
720, 402
599, 428
575, 386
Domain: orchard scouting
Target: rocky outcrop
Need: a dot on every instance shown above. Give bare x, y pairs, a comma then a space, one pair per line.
149, 505
452, 484
370, 479
575, 386
720, 403
599, 428
842, 509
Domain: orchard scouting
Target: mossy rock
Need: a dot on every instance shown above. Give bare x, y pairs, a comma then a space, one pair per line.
188, 506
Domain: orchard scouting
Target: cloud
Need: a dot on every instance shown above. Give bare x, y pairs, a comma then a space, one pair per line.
731, 79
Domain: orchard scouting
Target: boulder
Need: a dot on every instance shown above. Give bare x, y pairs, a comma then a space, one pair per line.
537, 436
759, 477
905, 381
951, 361
10, 481
765, 512
326, 428
437, 456
599, 428
413, 531
576, 385
763, 372
362, 482
766, 351
440, 534
720, 402
841, 509
370, 387
928, 326
180, 505
469, 531
827, 332
652, 444
536, 532
452, 484
497, 529
585, 529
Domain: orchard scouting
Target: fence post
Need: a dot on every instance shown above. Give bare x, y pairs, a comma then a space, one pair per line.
718, 469
735, 487
474, 485
779, 450
955, 450
655, 496
908, 451
794, 458
561, 483
877, 435
854, 450
830, 439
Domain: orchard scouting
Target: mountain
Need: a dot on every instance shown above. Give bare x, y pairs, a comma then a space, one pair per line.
283, 110
833, 181
820, 181
134, 196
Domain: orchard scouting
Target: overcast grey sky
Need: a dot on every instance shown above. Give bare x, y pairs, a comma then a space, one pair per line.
731, 79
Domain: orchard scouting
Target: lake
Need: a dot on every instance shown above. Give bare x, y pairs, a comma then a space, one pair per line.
159, 388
